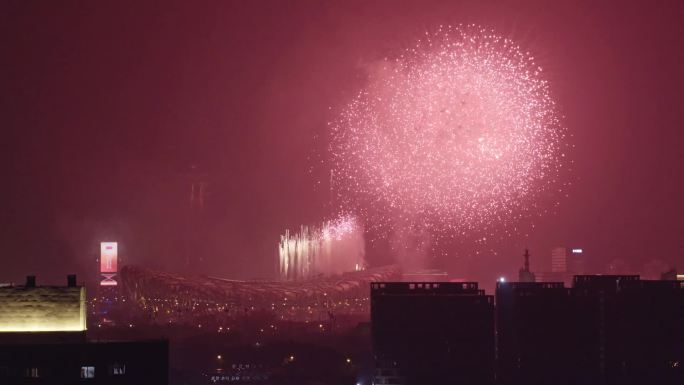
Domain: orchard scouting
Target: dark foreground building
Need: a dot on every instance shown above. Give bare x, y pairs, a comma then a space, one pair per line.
427, 333
61, 362
605, 330
534, 324
628, 331
43, 341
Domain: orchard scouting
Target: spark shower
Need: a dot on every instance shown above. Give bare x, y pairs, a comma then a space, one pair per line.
457, 133
333, 247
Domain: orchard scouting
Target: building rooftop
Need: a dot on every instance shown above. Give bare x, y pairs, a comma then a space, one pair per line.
32, 308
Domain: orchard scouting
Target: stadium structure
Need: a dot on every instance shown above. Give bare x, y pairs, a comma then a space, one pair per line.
175, 298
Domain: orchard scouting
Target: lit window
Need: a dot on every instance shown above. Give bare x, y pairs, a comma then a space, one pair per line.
117, 369
87, 372
32, 372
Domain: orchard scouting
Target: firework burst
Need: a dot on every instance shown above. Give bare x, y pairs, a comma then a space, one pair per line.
458, 132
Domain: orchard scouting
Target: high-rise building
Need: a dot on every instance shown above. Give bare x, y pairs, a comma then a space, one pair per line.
606, 329
563, 265
576, 261
627, 331
533, 324
429, 333
559, 261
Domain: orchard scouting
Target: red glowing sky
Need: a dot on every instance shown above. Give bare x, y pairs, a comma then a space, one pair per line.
108, 105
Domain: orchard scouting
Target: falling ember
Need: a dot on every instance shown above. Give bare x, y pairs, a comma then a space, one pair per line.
459, 132
334, 247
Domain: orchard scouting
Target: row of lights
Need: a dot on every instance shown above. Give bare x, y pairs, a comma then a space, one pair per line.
289, 359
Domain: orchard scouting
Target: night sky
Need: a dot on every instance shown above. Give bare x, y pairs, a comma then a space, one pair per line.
111, 109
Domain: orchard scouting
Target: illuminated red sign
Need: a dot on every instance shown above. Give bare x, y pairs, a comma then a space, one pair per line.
108, 257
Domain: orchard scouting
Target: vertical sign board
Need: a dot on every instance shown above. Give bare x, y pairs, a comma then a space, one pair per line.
108, 262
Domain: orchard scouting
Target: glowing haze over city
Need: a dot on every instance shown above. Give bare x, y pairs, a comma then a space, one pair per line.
219, 138
342, 192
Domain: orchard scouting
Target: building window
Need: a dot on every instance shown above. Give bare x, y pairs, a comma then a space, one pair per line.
87, 372
117, 369
32, 372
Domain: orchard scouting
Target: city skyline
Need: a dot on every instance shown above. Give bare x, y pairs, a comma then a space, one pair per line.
342, 192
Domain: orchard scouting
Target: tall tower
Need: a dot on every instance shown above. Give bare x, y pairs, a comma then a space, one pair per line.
109, 256
525, 275
196, 187
197, 194
107, 292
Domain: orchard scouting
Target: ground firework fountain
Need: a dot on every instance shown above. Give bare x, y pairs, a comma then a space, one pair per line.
334, 247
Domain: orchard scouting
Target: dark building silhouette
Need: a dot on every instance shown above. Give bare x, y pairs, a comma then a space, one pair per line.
534, 321
605, 330
525, 275
669, 275
432, 333
55, 360
628, 331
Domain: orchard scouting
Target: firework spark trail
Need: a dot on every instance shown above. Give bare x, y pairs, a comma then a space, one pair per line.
457, 133
334, 247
